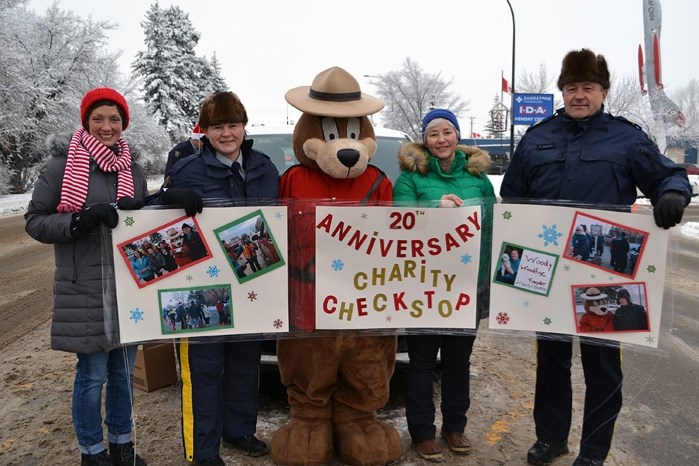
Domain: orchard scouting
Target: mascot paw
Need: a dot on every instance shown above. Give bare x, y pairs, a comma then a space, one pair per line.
367, 442
303, 442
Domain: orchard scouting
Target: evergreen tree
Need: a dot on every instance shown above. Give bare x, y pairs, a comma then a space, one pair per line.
217, 83
172, 74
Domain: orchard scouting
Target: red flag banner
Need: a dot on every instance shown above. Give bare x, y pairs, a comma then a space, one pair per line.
506, 86
475, 135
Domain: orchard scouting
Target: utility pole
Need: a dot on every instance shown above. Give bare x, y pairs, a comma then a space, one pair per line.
471, 119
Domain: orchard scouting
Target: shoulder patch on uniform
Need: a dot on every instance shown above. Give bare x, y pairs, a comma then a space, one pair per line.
541, 122
627, 121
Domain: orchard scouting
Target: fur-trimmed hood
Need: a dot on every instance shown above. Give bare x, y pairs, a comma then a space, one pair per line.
414, 157
57, 144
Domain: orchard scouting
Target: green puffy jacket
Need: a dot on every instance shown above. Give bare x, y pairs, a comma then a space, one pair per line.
422, 182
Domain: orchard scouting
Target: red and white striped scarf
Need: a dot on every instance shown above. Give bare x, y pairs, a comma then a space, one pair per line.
82, 147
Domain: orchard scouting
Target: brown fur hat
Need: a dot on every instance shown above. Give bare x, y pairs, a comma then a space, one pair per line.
222, 107
581, 66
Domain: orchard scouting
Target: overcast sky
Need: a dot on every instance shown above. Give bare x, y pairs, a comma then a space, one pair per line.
267, 47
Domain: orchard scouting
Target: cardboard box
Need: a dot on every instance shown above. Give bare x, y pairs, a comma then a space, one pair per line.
155, 366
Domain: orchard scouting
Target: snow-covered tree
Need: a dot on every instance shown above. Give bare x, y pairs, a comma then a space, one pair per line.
688, 100
175, 80
410, 92
46, 62
539, 82
625, 99
164, 67
217, 83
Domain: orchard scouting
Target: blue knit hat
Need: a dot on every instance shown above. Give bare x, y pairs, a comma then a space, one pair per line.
440, 113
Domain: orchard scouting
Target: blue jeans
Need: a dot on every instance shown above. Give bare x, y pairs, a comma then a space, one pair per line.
115, 368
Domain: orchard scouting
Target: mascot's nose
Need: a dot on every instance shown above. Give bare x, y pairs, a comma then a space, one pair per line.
348, 157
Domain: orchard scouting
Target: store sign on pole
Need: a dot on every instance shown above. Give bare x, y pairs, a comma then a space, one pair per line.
530, 108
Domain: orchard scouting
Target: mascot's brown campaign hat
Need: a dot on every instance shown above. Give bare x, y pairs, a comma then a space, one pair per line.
592, 294
583, 66
333, 93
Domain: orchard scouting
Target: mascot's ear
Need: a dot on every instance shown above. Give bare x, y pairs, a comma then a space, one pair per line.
307, 127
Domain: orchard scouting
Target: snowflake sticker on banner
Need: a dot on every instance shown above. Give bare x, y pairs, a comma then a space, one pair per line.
566, 268
651, 269
389, 319
277, 323
278, 215
502, 318
547, 321
213, 271
337, 265
507, 215
525, 304
466, 259
252, 296
650, 339
190, 278
136, 315
129, 221
550, 235
364, 216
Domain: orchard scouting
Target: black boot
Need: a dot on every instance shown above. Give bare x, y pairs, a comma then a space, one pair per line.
123, 455
543, 453
99, 459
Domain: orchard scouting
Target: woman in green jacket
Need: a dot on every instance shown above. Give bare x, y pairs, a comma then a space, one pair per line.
438, 172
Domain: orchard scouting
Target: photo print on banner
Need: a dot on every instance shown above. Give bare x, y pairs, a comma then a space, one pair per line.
167, 249
249, 246
195, 289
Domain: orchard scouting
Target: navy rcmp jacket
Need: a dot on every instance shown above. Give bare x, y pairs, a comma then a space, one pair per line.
600, 160
212, 180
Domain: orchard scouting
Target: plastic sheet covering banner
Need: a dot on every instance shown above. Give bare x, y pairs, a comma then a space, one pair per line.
576, 271
387, 267
222, 272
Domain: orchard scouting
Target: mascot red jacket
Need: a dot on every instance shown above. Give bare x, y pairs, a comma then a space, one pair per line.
597, 316
335, 381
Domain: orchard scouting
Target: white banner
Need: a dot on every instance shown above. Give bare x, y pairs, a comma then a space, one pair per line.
570, 267
222, 272
391, 268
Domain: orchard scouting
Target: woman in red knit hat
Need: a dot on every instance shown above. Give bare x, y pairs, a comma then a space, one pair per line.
73, 199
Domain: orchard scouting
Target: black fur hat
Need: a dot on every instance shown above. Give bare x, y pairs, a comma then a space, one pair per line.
222, 107
583, 65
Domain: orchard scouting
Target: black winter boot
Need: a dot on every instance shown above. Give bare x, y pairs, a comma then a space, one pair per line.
99, 459
123, 455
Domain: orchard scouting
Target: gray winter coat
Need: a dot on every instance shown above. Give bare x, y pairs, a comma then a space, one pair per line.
82, 321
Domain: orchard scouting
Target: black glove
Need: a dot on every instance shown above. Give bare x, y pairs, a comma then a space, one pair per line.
668, 210
91, 217
189, 200
129, 203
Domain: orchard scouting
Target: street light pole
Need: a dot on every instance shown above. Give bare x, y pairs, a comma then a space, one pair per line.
372, 76
512, 93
